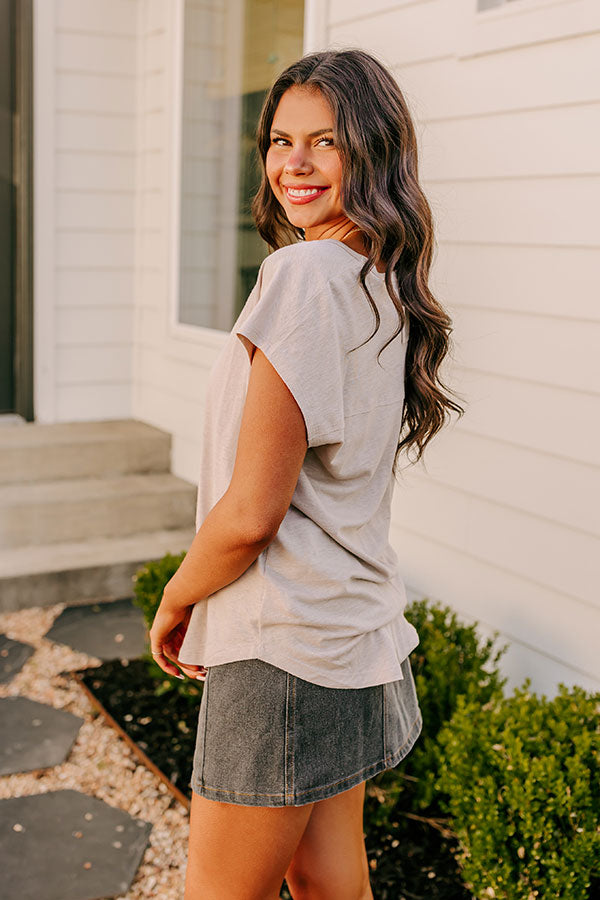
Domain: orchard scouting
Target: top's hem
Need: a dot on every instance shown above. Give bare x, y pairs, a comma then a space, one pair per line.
304, 673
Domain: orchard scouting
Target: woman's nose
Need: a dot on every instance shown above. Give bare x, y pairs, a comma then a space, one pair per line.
297, 160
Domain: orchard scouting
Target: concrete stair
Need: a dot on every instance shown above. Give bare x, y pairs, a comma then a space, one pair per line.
82, 506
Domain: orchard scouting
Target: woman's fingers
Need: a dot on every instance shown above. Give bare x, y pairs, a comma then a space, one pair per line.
187, 668
195, 672
163, 662
172, 650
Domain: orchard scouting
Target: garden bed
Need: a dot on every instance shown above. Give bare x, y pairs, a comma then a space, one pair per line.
412, 859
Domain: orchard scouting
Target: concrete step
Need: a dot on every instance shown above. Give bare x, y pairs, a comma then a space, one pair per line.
83, 505
34, 452
81, 571
48, 512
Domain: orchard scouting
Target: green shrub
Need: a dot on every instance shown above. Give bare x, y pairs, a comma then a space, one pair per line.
450, 661
149, 585
150, 582
522, 778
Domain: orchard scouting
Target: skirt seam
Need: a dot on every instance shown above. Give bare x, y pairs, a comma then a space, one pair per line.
383, 719
205, 723
286, 748
293, 793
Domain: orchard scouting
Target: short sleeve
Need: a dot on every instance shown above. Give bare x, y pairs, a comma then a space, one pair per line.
296, 324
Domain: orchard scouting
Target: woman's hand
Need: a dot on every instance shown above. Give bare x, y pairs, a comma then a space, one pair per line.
167, 633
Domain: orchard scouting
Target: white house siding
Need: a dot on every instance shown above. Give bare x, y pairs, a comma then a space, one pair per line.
91, 166
106, 346
502, 521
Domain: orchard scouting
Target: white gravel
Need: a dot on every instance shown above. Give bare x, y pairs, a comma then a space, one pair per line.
100, 762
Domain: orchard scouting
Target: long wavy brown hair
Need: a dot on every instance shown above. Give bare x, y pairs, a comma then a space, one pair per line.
375, 138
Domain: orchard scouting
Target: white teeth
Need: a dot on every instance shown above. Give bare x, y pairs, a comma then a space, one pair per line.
303, 193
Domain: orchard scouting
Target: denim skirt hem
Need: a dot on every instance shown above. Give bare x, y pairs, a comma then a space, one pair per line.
269, 738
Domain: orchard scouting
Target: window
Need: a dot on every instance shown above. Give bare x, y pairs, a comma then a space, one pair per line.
490, 4
488, 26
232, 52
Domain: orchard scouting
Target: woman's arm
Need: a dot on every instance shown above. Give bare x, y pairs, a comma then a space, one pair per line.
271, 449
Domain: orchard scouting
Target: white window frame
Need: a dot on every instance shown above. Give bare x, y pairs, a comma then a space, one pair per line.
198, 334
316, 25
522, 22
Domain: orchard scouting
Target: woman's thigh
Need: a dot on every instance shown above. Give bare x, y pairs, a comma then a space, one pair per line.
240, 852
330, 861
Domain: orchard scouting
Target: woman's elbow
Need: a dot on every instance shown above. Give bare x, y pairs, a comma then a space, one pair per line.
254, 521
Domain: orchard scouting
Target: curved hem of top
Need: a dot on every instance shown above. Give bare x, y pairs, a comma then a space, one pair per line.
269, 658
317, 793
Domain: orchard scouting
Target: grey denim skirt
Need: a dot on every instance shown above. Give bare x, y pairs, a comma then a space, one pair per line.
269, 738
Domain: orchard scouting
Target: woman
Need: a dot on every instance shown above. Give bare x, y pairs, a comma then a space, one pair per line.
289, 597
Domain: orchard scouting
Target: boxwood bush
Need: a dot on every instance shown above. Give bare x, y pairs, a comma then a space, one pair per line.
149, 585
150, 580
522, 781
450, 661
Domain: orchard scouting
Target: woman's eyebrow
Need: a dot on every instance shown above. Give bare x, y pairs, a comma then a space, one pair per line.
312, 134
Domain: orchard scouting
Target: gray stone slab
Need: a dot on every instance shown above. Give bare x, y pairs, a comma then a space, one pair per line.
13, 656
112, 630
34, 735
65, 845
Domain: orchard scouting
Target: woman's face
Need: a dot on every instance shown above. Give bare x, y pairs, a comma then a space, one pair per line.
299, 158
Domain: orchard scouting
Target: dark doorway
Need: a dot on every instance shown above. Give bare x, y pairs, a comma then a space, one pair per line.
16, 320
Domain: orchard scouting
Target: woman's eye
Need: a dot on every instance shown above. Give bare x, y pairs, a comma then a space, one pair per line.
275, 140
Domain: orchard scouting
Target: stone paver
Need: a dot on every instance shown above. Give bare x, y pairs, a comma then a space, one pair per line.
13, 656
112, 630
66, 845
35, 735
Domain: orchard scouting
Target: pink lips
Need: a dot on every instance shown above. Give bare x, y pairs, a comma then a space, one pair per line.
306, 198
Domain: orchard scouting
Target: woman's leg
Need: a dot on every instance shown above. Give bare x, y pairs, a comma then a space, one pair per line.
330, 862
240, 852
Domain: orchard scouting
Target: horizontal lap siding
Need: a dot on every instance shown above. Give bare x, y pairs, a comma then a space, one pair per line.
95, 58
502, 521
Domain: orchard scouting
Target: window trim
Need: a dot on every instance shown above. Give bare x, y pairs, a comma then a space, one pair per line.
316, 25
196, 334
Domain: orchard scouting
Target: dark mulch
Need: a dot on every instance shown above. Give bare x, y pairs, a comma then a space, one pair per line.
410, 861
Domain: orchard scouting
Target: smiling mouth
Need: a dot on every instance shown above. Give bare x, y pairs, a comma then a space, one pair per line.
304, 195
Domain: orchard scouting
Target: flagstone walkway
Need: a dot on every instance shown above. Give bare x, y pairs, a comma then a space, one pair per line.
80, 817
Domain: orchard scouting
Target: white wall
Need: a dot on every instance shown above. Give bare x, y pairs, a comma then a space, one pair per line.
502, 522
85, 105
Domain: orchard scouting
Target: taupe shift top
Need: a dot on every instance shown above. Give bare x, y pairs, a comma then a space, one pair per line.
325, 600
